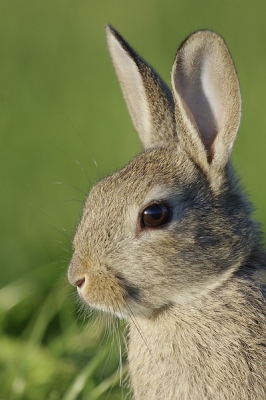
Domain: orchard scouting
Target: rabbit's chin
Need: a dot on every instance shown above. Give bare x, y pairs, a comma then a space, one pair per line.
106, 307
116, 305
119, 302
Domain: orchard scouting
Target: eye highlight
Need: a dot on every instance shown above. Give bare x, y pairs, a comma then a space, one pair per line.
155, 215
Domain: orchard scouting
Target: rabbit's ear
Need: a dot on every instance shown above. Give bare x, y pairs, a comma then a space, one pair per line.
207, 99
148, 98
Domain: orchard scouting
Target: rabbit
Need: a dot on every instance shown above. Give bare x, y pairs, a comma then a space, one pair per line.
169, 244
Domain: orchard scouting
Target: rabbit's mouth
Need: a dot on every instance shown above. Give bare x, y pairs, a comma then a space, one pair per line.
132, 291
100, 289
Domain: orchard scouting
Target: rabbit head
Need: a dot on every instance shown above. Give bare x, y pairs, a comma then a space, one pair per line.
173, 224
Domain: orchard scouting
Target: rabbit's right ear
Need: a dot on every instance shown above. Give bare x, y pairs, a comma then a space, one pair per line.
148, 98
207, 100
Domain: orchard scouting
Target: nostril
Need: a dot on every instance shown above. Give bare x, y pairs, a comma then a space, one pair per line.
79, 283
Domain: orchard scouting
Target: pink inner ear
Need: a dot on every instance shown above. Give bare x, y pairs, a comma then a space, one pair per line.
197, 92
203, 129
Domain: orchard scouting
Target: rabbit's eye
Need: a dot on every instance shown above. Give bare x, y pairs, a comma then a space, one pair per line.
155, 215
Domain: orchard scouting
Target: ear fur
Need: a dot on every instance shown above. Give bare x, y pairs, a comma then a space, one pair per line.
205, 110
207, 99
148, 98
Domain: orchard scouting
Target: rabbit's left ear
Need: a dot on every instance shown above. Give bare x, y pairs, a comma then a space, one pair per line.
207, 99
148, 98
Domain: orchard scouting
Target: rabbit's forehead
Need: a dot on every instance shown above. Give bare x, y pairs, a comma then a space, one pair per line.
143, 178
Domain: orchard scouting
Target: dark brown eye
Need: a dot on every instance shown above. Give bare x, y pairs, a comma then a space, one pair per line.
155, 216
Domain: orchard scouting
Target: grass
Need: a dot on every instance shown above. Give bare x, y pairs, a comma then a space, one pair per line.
64, 125
46, 352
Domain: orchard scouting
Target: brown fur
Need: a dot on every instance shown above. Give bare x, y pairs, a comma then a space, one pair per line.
192, 290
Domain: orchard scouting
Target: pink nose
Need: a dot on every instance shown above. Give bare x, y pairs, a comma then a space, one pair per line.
79, 283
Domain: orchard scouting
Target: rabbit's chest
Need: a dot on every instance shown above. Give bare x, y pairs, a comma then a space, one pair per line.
195, 361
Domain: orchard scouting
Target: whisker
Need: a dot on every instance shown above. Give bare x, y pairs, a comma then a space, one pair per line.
54, 228
83, 170
136, 324
70, 185
74, 128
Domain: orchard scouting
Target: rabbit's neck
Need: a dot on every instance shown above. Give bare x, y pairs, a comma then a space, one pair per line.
204, 350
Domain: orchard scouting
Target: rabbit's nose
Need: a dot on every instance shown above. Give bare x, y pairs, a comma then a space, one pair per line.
75, 275
79, 283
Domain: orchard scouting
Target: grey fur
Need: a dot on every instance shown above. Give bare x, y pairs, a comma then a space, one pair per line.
192, 290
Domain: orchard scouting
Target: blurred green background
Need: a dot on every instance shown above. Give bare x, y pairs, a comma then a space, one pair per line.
64, 125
